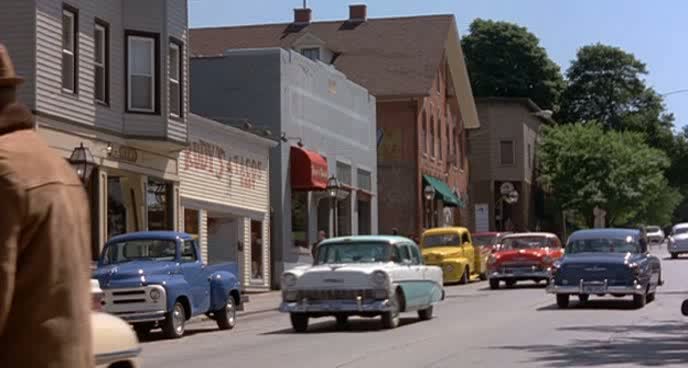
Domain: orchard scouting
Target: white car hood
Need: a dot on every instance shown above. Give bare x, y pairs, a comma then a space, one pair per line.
344, 276
680, 237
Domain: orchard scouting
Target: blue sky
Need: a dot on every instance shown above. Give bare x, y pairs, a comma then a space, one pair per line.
655, 31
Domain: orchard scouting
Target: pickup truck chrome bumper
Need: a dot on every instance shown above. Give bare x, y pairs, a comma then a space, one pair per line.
595, 288
518, 275
336, 306
142, 316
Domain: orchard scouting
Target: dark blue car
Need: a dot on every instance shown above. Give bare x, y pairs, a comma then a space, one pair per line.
606, 261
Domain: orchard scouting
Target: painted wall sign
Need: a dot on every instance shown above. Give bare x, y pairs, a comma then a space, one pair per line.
213, 159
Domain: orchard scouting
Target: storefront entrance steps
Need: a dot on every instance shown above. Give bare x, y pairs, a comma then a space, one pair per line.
259, 303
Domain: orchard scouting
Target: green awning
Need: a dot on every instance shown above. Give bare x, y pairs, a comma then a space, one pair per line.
443, 192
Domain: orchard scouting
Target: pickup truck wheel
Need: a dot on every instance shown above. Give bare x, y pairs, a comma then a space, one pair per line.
563, 300
173, 325
390, 319
299, 321
684, 308
226, 317
494, 284
639, 300
425, 314
465, 276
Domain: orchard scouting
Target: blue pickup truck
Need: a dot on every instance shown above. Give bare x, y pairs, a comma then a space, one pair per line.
157, 279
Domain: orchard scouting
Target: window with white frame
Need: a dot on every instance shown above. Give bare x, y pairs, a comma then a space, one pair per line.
312, 53
101, 62
175, 79
141, 67
69, 50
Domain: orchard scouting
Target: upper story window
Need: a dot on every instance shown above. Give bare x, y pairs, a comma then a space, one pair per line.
175, 78
312, 53
142, 71
506, 152
101, 62
424, 135
70, 33
433, 147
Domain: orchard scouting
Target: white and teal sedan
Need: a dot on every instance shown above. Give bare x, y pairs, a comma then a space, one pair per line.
365, 276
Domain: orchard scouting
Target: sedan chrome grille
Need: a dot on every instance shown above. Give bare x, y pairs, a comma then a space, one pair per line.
335, 294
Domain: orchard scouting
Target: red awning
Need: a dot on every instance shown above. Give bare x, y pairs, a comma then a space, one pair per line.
308, 170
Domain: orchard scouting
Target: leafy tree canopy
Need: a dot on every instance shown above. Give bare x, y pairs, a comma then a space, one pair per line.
505, 60
585, 166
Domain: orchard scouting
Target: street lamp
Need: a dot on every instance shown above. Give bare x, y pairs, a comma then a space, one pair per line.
333, 187
429, 194
82, 161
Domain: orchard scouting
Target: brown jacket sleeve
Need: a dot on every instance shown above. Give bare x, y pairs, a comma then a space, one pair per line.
11, 212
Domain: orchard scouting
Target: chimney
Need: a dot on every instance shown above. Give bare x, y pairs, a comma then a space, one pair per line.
358, 13
302, 16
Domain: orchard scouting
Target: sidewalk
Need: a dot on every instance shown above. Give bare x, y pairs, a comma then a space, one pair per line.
258, 303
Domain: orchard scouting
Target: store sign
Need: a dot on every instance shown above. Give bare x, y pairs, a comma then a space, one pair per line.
124, 153
214, 160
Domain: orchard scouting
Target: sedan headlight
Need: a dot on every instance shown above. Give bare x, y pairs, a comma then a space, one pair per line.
288, 279
379, 278
155, 294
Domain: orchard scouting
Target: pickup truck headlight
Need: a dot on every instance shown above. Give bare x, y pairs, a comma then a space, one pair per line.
155, 294
289, 279
379, 278
635, 268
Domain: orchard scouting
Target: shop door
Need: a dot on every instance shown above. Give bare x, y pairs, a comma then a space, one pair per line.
223, 240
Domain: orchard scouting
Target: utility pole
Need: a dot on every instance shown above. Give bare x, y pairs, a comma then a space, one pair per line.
305, 4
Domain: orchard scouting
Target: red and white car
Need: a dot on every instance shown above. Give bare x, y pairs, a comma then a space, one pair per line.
523, 257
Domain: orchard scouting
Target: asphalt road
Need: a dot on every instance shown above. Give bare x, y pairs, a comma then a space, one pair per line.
474, 326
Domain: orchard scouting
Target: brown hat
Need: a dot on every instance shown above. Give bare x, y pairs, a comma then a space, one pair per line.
8, 78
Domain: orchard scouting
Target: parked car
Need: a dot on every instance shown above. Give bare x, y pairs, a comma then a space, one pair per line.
365, 276
490, 241
114, 342
523, 257
451, 249
157, 279
655, 235
678, 240
606, 261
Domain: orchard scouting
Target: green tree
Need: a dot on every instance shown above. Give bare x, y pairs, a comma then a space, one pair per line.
506, 60
584, 166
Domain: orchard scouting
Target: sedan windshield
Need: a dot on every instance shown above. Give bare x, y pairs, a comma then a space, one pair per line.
132, 250
526, 242
680, 230
628, 245
484, 240
358, 252
441, 240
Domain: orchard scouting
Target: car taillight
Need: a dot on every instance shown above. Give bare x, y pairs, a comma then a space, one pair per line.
97, 301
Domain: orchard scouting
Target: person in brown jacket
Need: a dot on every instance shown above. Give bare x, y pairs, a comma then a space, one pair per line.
45, 302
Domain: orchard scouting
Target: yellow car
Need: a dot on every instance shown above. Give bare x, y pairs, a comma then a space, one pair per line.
451, 248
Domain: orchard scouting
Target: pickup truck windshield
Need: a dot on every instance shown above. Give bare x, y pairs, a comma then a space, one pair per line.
526, 242
603, 246
441, 240
353, 253
132, 250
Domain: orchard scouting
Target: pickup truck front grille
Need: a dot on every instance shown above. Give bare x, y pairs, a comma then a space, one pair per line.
129, 296
134, 300
335, 294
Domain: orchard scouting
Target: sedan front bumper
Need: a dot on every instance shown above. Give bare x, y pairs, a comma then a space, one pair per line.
519, 275
595, 288
336, 306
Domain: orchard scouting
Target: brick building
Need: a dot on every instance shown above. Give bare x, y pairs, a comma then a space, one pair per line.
414, 67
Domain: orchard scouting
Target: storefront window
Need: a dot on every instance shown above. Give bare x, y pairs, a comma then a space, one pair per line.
116, 207
324, 207
299, 218
344, 217
257, 250
158, 203
364, 216
191, 222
